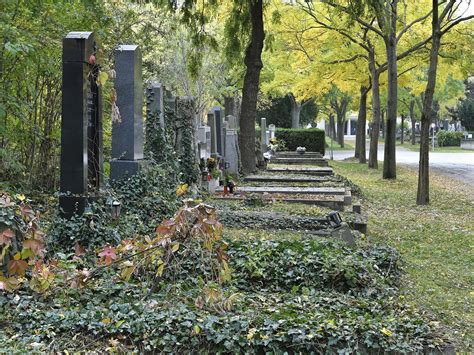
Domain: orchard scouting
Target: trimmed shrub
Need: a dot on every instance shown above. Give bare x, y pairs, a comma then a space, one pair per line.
312, 138
449, 139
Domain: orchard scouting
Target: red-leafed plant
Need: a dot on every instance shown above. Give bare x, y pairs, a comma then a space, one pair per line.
21, 241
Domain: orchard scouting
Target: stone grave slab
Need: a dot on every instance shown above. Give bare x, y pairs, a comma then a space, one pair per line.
301, 161
289, 190
298, 155
276, 178
322, 171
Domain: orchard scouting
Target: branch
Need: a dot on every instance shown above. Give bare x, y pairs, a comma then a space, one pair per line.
348, 60
360, 21
454, 23
406, 28
406, 71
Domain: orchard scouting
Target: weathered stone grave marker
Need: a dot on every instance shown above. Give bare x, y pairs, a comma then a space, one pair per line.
272, 129
232, 146
212, 124
81, 124
127, 135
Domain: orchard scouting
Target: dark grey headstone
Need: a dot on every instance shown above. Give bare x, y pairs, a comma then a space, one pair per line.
127, 135
81, 125
218, 116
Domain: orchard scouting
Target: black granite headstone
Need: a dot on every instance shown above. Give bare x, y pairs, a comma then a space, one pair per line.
127, 134
81, 124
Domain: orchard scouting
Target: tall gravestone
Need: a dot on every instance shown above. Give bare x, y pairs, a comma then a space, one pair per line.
155, 137
212, 124
127, 134
272, 129
218, 120
263, 134
186, 118
232, 153
81, 124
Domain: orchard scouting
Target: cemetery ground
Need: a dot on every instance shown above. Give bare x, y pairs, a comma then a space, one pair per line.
289, 289
435, 241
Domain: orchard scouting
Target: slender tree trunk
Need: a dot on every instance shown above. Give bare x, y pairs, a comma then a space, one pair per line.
254, 65
295, 112
374, 134
361, 126
332, 127
389, 163
413, 121
340, 128
423, 193
229, 105
402, 129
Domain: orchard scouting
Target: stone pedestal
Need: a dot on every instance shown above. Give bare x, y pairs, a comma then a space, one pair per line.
127, 135
81, 125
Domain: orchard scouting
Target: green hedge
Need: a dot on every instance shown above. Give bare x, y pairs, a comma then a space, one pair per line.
312, 138
449, 139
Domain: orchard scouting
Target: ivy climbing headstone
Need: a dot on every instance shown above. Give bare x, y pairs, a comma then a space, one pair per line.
155, 143
185, 117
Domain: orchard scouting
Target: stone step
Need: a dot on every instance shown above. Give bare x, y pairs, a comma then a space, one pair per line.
289, 190
334, 202
276, 178
306, 171
301, 161
296, 154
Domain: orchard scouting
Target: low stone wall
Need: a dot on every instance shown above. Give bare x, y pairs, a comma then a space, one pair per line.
467, 144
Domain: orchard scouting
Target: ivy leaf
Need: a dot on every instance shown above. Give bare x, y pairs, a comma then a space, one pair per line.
102, 78
175, 247
79, 251
17, 267
108, 255
386, 332
36, 246
6, 237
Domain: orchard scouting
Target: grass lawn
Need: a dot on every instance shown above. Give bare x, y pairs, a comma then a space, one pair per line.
416, 148
436, 241
336, 146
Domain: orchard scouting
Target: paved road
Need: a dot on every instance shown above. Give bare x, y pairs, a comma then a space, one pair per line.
457, 165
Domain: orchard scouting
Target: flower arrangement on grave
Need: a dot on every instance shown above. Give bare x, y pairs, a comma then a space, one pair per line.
301, 150
273, 144
213, 169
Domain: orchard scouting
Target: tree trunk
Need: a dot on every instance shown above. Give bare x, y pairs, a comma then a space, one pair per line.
295, 111
402, 129
389, 162
253, 63
340, 129
413, 121
229, 105
332, 127
374, 133
361, 124
423, 193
